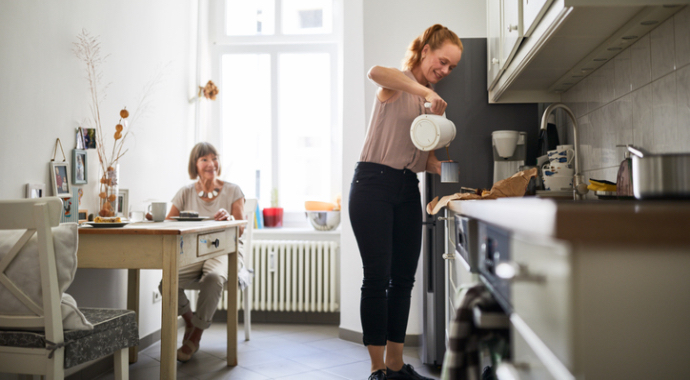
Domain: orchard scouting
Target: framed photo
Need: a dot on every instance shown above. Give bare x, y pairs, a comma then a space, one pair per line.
83, 216
59, 175
89, 141
123, 203
35, 190
79, 172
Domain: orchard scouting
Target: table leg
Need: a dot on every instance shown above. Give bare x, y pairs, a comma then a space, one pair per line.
232, 309
133, 304
169, 317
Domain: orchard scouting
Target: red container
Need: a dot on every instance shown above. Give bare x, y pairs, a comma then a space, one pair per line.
273, 217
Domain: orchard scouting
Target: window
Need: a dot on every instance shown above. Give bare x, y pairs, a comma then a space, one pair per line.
277, 63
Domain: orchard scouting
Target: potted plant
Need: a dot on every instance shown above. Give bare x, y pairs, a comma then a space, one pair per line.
273, 216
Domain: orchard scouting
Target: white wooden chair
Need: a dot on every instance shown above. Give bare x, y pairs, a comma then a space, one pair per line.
49, 349
249, 211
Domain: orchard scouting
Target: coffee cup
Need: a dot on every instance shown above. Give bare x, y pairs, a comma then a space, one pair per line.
558, 183
450, 172
157, 210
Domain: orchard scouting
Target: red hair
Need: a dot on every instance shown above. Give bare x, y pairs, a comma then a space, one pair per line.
435, 36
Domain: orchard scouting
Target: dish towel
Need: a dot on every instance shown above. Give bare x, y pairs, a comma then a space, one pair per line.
461, 361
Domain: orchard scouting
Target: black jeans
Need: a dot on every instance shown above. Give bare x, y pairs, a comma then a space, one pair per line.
386, 216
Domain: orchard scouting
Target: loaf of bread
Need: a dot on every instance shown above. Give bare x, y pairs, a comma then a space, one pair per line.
189, 214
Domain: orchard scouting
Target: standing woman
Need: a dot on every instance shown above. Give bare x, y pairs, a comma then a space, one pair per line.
385, 205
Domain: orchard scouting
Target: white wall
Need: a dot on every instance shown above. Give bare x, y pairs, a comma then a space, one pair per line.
44, 96
378, 33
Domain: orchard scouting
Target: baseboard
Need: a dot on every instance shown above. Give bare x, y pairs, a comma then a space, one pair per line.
283, 317
98, 367
356, 337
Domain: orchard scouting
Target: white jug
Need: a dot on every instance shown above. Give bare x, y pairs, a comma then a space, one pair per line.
431, 132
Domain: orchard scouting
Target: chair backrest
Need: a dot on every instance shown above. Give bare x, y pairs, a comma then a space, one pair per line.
249, 211
35, 216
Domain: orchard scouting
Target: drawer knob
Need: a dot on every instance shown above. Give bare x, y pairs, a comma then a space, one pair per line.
216, 243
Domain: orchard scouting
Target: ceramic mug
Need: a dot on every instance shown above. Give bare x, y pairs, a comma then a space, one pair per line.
157, 210
450, 172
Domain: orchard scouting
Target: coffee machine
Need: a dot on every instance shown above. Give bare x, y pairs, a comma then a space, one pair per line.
510, 151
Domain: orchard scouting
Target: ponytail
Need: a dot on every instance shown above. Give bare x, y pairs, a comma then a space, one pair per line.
435, 36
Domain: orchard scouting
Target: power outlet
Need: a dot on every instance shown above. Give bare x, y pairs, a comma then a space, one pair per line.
157, 296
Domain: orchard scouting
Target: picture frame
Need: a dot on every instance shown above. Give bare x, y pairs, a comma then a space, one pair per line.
59, 176
35, 190
123, 203
83, 216
80, 174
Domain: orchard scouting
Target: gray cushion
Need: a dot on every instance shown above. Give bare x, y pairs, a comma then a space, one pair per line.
113, 330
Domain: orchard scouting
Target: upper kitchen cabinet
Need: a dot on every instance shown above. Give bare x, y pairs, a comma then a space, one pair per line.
559, 42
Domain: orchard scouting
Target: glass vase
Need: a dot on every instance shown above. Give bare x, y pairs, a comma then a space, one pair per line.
108, 190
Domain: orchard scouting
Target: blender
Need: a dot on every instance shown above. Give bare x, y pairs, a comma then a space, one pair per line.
510, 151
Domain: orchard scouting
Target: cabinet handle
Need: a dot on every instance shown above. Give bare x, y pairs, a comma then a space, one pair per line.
449, 256
512, 27
216, 243
495, 61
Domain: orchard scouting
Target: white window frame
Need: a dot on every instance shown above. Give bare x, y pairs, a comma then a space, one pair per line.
274, 45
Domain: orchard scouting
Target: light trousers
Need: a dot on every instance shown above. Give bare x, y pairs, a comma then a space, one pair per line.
209, 277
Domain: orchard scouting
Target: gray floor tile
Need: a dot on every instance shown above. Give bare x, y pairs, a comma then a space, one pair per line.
282, 367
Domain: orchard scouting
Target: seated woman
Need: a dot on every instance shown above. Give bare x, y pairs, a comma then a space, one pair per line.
213, 197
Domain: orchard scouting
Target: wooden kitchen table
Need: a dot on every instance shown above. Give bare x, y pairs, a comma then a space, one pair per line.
169, 246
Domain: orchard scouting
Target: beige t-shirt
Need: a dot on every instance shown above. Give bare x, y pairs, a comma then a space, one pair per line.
187, 199
388, 140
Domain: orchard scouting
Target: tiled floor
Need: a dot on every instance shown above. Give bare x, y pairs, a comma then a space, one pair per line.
276, 351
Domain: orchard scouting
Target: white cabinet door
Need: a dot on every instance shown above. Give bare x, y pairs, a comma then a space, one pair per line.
532, 11
512, 29
493, 40
542, 297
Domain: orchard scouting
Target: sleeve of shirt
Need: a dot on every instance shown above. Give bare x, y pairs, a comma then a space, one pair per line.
178, 199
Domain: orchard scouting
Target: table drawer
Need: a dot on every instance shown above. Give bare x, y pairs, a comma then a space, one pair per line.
219, 241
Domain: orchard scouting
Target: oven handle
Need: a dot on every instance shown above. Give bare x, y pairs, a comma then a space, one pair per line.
513, 271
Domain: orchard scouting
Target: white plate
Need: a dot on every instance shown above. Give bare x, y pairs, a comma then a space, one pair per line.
190, 219
106, 225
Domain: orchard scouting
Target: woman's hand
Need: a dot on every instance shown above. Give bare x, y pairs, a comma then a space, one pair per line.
438, 105
222, 214
433, 165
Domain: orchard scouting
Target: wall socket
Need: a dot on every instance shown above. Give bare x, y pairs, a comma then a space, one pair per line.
157, 296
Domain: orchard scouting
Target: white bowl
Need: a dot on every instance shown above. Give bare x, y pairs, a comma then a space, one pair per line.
558, 183
324, 220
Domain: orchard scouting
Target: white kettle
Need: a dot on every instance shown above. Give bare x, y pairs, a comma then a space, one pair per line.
431, 132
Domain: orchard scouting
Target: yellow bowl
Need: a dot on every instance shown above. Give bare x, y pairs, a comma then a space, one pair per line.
318, 206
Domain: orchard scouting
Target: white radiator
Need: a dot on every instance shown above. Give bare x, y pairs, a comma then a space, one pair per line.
293, 275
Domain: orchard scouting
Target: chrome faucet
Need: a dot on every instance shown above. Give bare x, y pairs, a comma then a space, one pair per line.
579, 185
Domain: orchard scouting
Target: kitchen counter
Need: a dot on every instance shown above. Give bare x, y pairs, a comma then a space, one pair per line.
601, 222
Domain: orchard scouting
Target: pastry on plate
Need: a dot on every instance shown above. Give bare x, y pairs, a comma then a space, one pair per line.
189, 214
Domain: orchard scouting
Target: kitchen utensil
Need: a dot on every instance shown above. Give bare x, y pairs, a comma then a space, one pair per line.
431, 132
660, 175
324, 220
624, 182
450, 172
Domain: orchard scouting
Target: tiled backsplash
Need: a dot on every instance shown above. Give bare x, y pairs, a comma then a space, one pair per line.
640, 97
